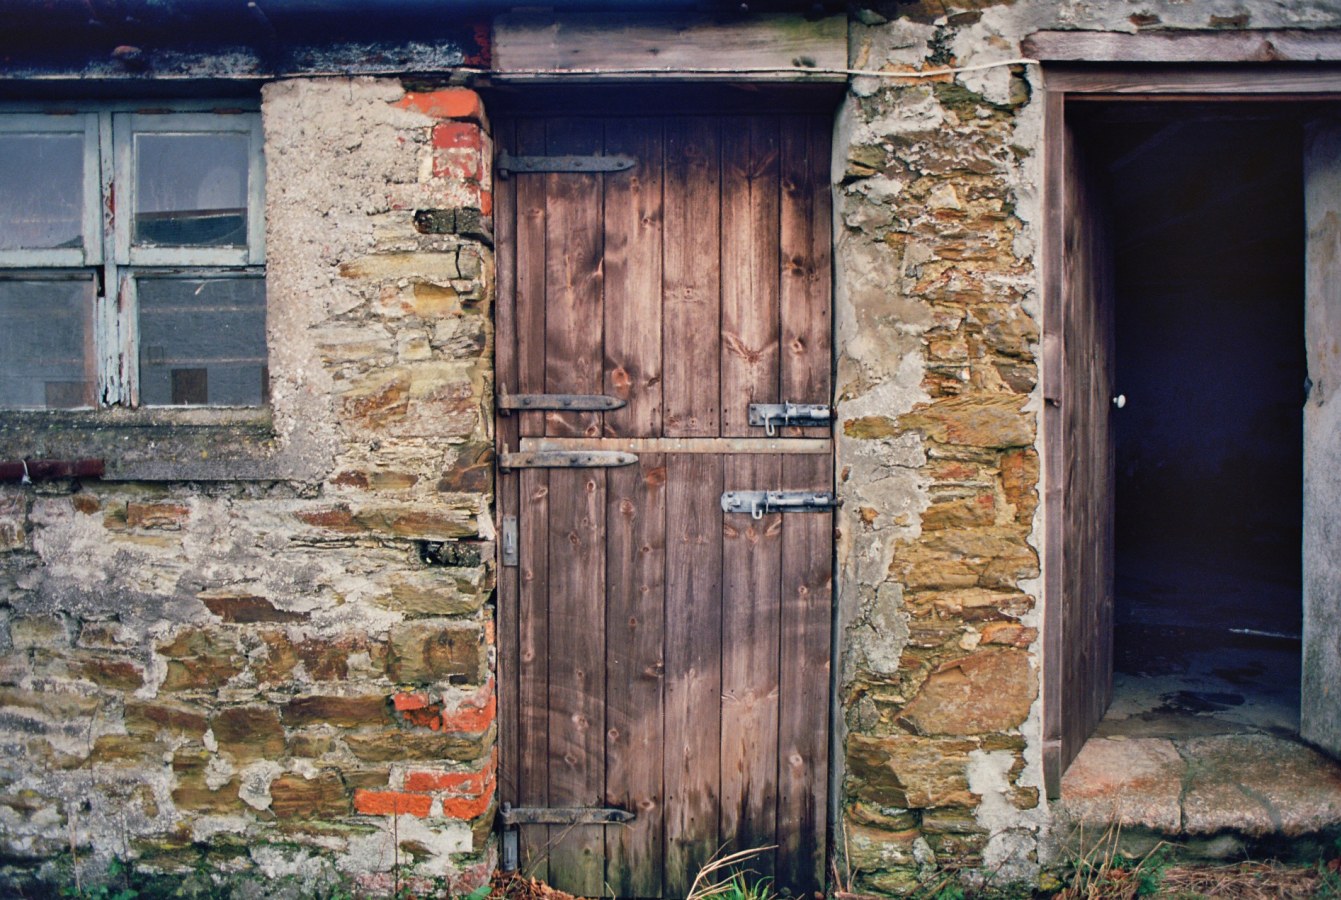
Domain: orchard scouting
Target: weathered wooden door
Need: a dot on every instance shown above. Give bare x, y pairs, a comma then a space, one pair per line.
1320, 707
657, 654
1078, 392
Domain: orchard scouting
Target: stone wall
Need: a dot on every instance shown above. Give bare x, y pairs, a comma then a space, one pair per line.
288, 676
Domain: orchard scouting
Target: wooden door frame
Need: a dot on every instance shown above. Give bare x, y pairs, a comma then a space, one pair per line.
1081, 68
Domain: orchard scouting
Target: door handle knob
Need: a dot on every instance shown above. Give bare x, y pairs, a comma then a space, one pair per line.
1120, 401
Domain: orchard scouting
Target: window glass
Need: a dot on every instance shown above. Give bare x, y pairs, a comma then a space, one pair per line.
202, 341
41, 191
191, 190
46, 344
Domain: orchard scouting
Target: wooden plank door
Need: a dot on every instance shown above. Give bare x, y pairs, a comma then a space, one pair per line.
656, 654
1320, 707
1078, 388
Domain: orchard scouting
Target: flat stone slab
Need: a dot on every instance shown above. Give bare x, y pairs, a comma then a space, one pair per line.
1257, 785
1131, 783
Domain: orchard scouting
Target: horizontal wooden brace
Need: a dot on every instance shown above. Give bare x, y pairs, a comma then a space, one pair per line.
563, 815
809, 446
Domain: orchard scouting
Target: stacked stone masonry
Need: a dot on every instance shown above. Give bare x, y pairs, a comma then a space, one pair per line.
281, 675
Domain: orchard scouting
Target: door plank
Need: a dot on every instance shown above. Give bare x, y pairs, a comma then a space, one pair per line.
633, 279
1320, 714
530, 275
750, 269
751, 576
576, 537
635, 667
533, 663
507, 435
693, 665
804, 293
803, 741
577, 675
574, 320
692, 290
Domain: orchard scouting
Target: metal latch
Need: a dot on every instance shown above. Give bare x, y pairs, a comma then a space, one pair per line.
508, 541
562, 402
760, 503
507, 164
772, 415
510, 817
566, 459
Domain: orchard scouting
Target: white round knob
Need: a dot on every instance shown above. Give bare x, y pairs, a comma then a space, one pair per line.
1120, 401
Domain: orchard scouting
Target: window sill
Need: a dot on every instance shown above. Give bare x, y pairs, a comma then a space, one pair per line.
161, 444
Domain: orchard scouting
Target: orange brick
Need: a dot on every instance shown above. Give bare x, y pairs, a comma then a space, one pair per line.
474, 715
461, 783
391, 803
455, 135
405, 702
448, 103
460, 808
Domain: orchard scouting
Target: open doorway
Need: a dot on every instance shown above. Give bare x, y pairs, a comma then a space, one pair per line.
1192, 322
1207, 234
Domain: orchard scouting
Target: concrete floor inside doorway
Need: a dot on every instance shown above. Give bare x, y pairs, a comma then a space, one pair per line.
1200, 746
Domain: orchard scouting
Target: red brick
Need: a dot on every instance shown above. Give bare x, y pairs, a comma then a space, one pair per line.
474, 715
391, 803
405, 702
458, 135
447, 103
460, 783
486, 203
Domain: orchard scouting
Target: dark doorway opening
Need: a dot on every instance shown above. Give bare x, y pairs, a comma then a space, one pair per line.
1208, 239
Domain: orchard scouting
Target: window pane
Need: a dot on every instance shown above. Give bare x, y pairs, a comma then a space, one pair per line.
41, 191
191, 190
202, 341
46, 344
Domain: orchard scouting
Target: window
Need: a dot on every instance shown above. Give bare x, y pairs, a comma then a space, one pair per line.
131, 259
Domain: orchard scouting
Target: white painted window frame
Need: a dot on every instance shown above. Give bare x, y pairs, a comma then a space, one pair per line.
109, 131
91, 253
125, 128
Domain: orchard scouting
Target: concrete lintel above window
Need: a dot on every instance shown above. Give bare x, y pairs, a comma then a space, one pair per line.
1288, 45
681, 46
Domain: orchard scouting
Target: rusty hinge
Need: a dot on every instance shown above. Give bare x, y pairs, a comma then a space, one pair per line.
566, 459
562, 402
510, 817
507, 164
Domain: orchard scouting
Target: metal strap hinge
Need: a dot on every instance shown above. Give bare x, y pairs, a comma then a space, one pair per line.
510, 817
566, 459
774, 415
562, 402
760, 503
507, 164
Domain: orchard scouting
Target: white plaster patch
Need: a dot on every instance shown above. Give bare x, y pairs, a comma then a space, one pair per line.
218, 772
1012, 845
254, 789
377, 852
